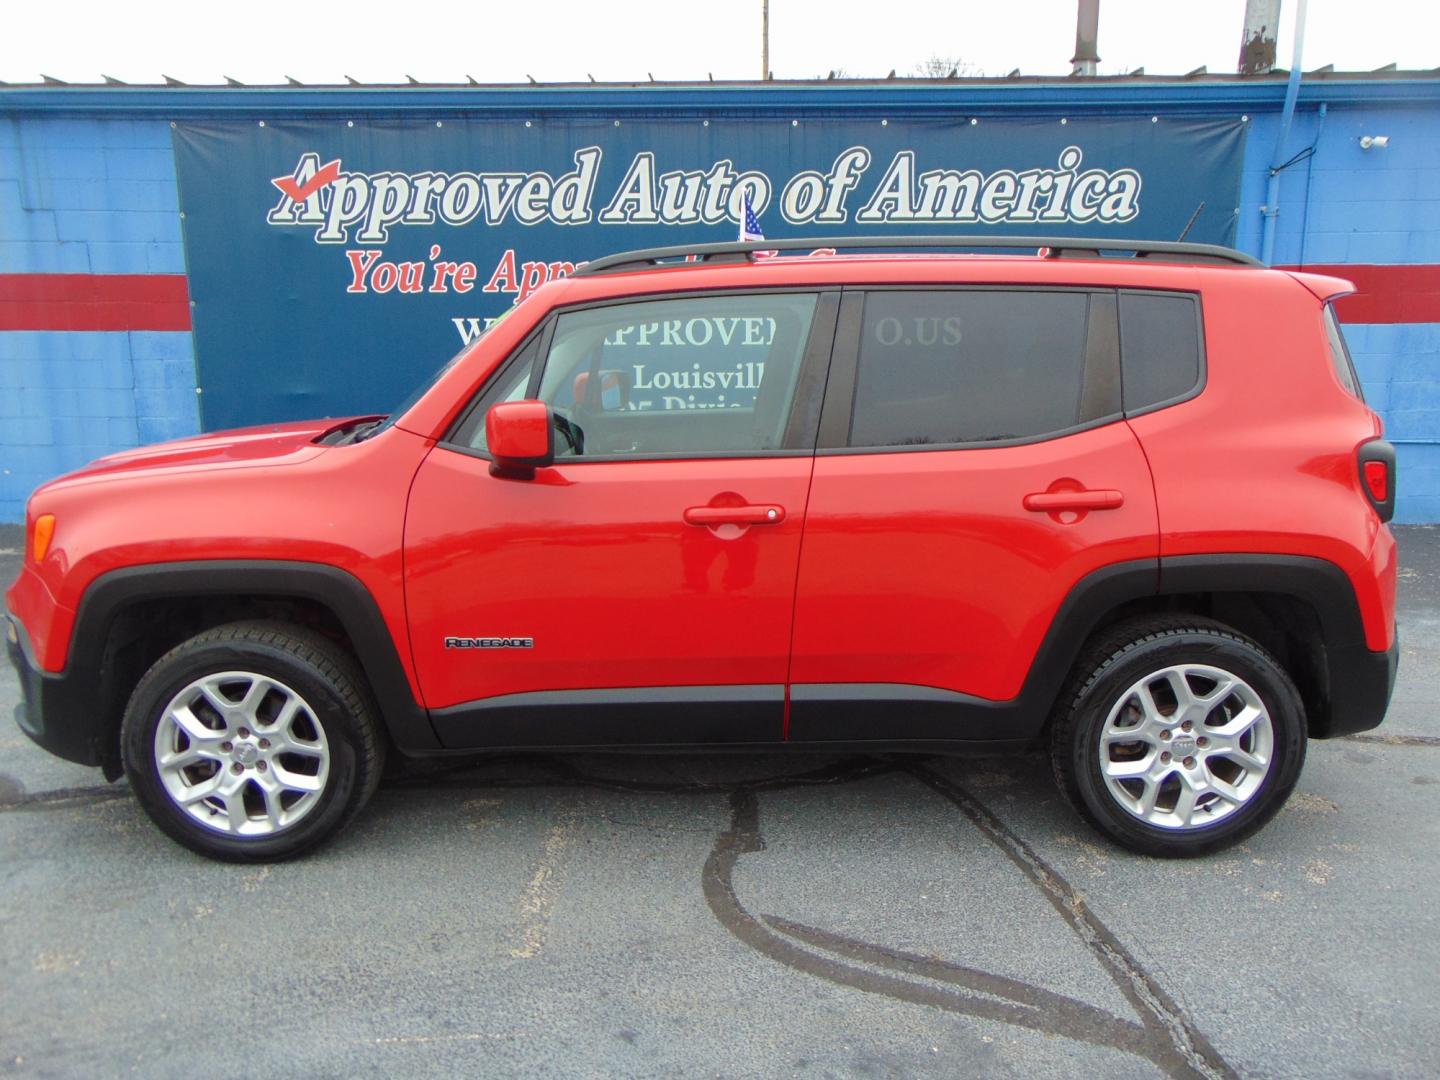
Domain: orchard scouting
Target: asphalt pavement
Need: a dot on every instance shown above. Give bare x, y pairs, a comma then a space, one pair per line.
738, 917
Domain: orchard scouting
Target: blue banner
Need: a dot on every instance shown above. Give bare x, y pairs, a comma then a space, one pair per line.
333, 265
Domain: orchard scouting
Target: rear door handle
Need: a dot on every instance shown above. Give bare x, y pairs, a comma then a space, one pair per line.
1052, 501
735, 515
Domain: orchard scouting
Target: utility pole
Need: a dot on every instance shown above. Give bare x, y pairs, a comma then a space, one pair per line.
764, 40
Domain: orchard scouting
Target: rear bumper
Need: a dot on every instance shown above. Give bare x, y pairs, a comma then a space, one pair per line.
1361, 682
54, 710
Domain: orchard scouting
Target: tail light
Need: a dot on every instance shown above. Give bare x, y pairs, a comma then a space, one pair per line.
1377, 476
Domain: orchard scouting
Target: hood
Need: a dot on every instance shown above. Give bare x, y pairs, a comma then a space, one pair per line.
267, 444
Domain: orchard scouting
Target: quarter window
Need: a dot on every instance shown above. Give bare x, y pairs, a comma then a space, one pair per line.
1159, 348
508, 385
973, 366
1340, 353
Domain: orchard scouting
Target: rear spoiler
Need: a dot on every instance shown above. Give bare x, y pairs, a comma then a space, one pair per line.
1324, 287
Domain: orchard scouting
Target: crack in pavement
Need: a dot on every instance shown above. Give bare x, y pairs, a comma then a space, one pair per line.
1158, 1011
1166, 1036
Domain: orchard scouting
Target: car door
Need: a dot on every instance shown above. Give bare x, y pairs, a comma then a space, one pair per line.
973, 465
641, 589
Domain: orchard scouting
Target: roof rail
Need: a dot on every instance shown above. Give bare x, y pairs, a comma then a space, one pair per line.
1052, 247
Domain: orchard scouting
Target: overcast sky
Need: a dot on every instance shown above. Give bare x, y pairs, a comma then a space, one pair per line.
263, 41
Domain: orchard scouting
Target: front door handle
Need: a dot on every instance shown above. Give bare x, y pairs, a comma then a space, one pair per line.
711, 516
1056, 501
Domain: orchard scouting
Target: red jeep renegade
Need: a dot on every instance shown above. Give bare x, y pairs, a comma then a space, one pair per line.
1129, 505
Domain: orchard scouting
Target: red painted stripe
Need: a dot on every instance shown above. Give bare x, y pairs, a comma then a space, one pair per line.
94, 302
1385, 294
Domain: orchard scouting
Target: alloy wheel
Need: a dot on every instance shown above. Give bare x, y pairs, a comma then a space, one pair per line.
1186, 746
242, 753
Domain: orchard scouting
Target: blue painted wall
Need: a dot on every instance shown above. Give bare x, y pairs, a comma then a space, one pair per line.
87, 196
95, 194
1382, 206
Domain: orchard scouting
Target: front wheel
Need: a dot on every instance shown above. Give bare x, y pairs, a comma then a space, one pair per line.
1178, 737
252, 742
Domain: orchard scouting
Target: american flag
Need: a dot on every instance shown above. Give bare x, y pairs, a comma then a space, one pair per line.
750, 224
750, 229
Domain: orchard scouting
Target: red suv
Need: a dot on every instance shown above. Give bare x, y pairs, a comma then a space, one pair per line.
1131, 506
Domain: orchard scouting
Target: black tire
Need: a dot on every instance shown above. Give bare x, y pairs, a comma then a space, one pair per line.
1121, 657
335, 697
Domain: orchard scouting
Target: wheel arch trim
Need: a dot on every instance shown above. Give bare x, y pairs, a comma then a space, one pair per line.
341, 592
1357, 682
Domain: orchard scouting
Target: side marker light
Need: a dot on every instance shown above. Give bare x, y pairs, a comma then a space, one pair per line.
40, 538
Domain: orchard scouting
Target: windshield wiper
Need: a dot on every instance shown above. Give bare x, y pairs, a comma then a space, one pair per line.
351, 433
361, 432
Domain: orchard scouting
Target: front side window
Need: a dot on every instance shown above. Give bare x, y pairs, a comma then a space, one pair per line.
674, 378
949, 367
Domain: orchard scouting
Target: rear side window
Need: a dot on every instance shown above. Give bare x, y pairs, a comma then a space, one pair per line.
1340, 353
957, 366
1160, 350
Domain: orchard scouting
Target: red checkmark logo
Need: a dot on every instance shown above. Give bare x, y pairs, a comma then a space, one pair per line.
328, 174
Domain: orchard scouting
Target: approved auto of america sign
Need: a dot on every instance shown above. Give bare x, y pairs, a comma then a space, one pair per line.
332, 265
335, 203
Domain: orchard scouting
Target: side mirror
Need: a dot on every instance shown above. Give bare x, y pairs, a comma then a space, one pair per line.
520, 437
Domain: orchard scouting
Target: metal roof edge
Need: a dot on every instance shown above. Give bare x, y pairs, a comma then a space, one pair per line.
1013, 96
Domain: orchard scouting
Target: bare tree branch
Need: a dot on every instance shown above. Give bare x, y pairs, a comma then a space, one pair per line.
946, 67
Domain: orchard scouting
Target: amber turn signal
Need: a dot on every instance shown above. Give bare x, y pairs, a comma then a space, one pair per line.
40, 538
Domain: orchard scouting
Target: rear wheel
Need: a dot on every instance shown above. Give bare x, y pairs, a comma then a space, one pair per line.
252, 741
1179, 736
